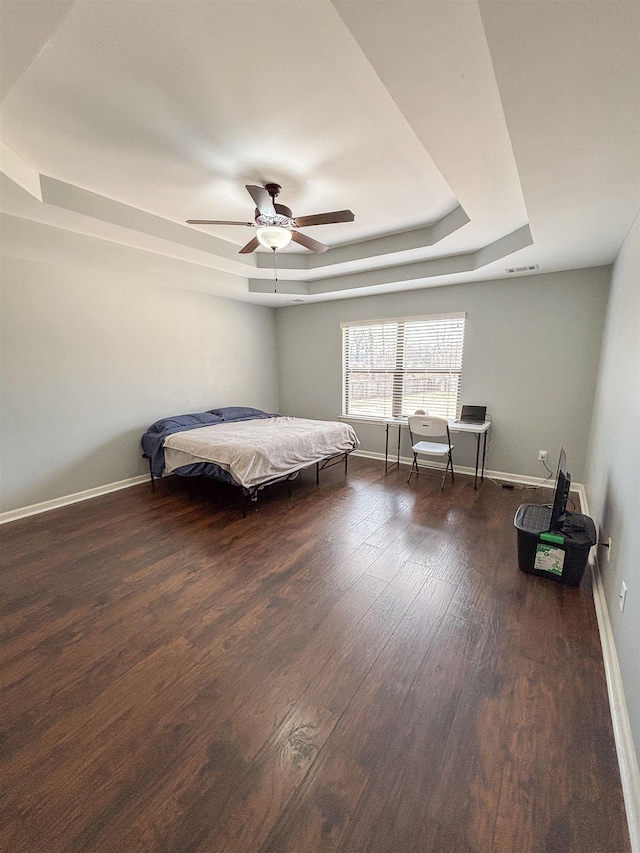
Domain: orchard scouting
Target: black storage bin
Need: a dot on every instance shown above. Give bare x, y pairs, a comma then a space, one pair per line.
561, 554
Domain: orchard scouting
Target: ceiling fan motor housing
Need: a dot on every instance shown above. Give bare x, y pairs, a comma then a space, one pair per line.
283, 217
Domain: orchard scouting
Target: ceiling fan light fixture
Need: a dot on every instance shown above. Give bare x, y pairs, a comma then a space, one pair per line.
273, 237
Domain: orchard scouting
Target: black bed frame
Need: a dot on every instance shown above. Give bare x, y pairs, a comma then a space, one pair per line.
250, 495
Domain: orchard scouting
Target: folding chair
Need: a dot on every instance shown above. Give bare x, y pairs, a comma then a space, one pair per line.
430, 426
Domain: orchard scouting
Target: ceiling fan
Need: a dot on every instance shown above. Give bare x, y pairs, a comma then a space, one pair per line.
276, 224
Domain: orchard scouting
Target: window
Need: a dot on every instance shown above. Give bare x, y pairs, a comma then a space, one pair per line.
393, 367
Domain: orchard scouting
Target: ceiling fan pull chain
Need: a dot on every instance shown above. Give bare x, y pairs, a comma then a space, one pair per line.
275, 272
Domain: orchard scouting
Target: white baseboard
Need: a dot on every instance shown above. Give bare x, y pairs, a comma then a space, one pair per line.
522, 479
65, 500
87, 494
627, 758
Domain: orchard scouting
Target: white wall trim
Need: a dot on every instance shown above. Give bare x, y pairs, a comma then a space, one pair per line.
65, 500
22, 173
522, 479
87, 494
627, 758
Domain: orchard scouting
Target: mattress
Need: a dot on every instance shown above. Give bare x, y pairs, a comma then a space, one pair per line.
256, 452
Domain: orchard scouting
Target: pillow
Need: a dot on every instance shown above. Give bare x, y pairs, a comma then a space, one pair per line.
181, 421
240, 413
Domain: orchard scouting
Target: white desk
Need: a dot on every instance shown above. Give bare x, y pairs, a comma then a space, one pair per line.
479, 430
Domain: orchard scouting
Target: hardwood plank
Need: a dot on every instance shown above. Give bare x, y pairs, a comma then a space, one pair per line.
474, 759
316, 817
541, 808
344, 671
395, 555
272, 779
370, 715
52, 780
530, 807
545, 631
30, 704
326, 619
433, 836
175, 810
389, 529
394, 807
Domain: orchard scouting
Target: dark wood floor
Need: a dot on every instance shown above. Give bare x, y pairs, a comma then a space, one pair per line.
359, 668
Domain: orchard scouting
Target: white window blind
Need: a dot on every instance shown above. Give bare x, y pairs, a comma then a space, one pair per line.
393, 367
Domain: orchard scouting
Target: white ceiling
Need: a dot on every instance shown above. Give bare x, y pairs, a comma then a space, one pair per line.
467, 137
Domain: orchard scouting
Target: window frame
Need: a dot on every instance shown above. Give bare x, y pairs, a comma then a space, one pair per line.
399, 372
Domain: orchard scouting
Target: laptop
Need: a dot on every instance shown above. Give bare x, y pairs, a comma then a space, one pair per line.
472, 415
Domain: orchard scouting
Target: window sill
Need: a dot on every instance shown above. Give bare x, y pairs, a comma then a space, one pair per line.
362, 419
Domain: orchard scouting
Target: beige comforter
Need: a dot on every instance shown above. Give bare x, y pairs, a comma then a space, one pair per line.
259, 451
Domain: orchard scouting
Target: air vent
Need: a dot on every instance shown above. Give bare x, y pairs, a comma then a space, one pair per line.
523, 269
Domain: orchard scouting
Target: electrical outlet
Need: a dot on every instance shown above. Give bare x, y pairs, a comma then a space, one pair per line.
609, 550
622, 598
542, 456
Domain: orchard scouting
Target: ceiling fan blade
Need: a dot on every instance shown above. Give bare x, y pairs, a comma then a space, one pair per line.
251, 246
308, 242
217, 222
324, 218
262, 199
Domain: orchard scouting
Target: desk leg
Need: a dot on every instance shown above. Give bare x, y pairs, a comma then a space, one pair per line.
475, 481
484, 453
386, 449
398, 454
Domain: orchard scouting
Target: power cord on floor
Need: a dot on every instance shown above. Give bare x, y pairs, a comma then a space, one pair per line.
520, 486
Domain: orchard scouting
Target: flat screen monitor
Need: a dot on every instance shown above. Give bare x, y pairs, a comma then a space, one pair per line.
563, 485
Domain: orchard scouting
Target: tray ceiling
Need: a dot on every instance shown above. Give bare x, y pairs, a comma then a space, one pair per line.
467, 137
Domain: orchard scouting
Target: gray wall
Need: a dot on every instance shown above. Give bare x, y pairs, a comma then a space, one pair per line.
87, 362
613, 476
531, 355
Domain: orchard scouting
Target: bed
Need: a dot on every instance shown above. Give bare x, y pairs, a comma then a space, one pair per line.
245, 447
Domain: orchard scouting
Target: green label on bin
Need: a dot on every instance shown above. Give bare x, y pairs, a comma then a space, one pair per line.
549, 559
